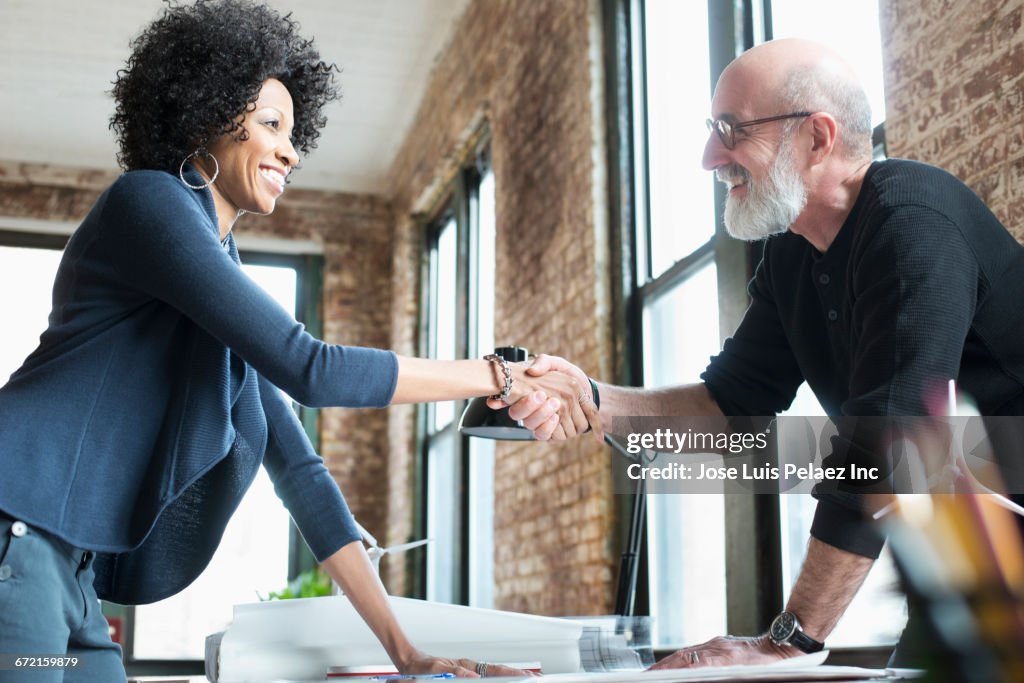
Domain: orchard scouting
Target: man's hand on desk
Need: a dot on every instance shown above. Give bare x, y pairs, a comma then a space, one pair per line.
728, 651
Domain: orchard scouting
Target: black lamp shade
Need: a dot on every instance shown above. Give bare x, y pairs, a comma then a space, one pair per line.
479, 420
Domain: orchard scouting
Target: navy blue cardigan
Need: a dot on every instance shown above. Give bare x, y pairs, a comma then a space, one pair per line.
136, 426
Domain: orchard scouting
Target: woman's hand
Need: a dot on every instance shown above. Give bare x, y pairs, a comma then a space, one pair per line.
422, 663
350, 567
556, 404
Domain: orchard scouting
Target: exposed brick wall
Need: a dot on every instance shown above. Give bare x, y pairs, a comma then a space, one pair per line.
954, 74
355, 233
400, 454
49, 193
529, 69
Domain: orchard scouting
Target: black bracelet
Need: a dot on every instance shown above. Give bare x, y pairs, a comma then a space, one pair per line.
597, 400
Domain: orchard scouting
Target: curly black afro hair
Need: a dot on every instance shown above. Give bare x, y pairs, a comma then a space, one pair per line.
198, 67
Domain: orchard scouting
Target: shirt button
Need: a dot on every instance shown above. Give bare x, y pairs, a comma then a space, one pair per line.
5, 572
18, 529
824, 279
833, 315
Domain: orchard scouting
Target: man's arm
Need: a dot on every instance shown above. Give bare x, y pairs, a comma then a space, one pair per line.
829, 579
616, 401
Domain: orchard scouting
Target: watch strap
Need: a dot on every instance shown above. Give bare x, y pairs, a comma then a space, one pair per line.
804, 642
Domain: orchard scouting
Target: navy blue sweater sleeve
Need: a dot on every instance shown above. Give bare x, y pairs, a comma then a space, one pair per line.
161, 243
302, 481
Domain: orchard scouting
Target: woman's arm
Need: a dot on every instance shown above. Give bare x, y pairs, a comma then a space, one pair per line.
316, 504
350, 567
169, 250
566, 398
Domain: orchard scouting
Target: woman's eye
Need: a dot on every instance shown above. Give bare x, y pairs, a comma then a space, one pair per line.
273, 123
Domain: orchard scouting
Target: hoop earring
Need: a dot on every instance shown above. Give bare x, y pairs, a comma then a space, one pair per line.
181, 170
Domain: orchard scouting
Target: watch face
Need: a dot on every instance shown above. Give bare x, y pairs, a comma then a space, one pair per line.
782, 627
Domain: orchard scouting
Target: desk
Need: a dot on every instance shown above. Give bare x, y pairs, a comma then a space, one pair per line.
729, 674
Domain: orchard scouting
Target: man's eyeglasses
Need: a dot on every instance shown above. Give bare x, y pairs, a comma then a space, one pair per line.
727, 131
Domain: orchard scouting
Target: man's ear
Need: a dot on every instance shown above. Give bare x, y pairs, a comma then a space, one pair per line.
824, 132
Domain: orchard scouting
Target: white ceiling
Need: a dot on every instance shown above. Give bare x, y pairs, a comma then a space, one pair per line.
58, 58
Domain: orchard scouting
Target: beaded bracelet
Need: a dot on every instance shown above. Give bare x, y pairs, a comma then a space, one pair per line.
506, 370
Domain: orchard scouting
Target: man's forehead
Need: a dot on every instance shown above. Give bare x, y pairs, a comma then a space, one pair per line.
731, 110
738, 95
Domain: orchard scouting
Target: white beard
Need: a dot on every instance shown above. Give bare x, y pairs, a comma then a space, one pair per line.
771, 205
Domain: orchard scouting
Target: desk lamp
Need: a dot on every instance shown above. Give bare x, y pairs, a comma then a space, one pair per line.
481, 421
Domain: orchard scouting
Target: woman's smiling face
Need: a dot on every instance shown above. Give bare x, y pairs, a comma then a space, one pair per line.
253, 171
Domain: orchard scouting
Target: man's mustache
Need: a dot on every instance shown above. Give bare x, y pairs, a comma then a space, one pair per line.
732, 174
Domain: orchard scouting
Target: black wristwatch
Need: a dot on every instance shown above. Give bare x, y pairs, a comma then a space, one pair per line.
785, 630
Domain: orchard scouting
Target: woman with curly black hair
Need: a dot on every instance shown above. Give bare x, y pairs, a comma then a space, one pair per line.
129, 436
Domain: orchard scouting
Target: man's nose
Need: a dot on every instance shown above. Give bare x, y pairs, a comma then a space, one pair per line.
715, 153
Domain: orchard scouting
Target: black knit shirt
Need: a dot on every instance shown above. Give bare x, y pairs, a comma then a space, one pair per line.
922, 284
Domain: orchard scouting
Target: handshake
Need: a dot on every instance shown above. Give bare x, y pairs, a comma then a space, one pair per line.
553, 398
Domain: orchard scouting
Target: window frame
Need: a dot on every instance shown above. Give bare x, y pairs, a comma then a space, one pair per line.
459, 205
308, 302
754, 588
309, 289
449, 214
753, 578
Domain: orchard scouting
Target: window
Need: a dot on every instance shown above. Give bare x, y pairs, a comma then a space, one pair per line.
686, 533
442, 443
681, 196
26, 283
852, 30
878, 612
481, 451
458, 491
677, 280
260, 543
684, 288
251, 560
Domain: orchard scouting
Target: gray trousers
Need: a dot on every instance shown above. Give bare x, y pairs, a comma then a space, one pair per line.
48, 607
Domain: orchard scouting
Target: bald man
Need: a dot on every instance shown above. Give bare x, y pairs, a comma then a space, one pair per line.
880, 281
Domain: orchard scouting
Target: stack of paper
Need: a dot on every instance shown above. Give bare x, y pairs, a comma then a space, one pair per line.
302, 639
